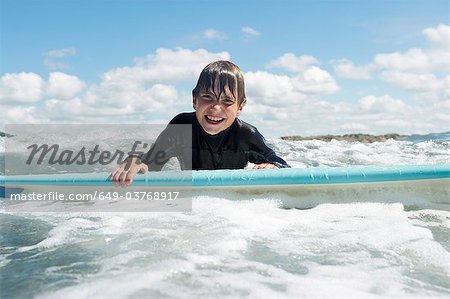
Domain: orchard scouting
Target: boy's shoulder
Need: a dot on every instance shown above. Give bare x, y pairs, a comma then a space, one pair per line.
185, 118
245, 127
248, 133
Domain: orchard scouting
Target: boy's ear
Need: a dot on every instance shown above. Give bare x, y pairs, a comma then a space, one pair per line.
194, 103
241, 106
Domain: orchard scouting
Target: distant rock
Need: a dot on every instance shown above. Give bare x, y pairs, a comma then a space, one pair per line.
3, 134
364, 138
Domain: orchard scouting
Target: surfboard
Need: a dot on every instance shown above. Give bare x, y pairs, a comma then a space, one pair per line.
423, 183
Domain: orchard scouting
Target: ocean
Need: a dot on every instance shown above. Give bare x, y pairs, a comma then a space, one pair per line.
241, 246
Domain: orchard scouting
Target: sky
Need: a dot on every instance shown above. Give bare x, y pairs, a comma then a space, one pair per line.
310, 67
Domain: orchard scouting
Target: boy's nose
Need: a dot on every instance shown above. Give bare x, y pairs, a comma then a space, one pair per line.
216, 106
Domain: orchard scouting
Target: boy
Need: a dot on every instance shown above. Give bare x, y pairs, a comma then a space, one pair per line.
219, 139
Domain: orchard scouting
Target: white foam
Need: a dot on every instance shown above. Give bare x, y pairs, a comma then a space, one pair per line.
343, 153
252, 248
65, 232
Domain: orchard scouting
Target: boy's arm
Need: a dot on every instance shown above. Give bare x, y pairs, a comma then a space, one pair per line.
174, 141
260, 153
154, 160
161, 151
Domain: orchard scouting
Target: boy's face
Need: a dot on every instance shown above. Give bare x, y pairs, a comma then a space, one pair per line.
216, 113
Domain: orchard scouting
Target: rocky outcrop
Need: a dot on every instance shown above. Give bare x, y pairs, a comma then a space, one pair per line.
365, 138
3, 134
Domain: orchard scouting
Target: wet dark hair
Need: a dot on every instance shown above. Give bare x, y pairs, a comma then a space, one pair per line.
218, 75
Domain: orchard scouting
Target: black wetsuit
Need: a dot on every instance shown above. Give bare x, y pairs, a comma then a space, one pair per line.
232, 148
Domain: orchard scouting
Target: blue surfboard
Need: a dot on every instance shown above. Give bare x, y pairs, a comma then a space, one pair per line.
423, 186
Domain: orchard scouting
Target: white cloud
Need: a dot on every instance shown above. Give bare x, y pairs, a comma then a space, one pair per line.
250, 31
59, 53
166, 65
148, 86
271, 89
293, 63
22, 115
288, 102
21, 88
372, 114
51, 64
392, 124
383, 104
424, 87
439, 36
309, 79
63, 86
435, 58
412, 81
354, 127
346, 69
141, 92
387, 114
52, 60
413, 60
419, 72
307, 117
159, 99
274, 90
316, 81
213, 34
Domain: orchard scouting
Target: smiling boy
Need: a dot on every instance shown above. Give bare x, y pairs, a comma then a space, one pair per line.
220, 140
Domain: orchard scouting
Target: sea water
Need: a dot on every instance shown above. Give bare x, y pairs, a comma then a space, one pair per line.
242, 247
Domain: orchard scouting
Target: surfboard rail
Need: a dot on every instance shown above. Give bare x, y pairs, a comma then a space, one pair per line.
260, 177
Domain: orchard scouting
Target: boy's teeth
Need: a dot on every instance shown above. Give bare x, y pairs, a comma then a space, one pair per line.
214, 118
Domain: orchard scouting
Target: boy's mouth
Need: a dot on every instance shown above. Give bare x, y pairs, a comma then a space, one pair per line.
214, 120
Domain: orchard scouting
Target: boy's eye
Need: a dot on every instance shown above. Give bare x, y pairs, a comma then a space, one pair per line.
229, 101
207, 97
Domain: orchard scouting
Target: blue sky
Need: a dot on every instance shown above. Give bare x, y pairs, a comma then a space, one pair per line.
320, 57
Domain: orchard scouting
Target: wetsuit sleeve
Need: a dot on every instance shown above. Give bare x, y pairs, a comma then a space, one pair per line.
160, 152
166, 146
261, 153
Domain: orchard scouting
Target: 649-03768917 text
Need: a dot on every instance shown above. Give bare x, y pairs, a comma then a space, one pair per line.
98, 196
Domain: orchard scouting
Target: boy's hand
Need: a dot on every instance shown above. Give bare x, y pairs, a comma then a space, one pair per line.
123, 175
264, 166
